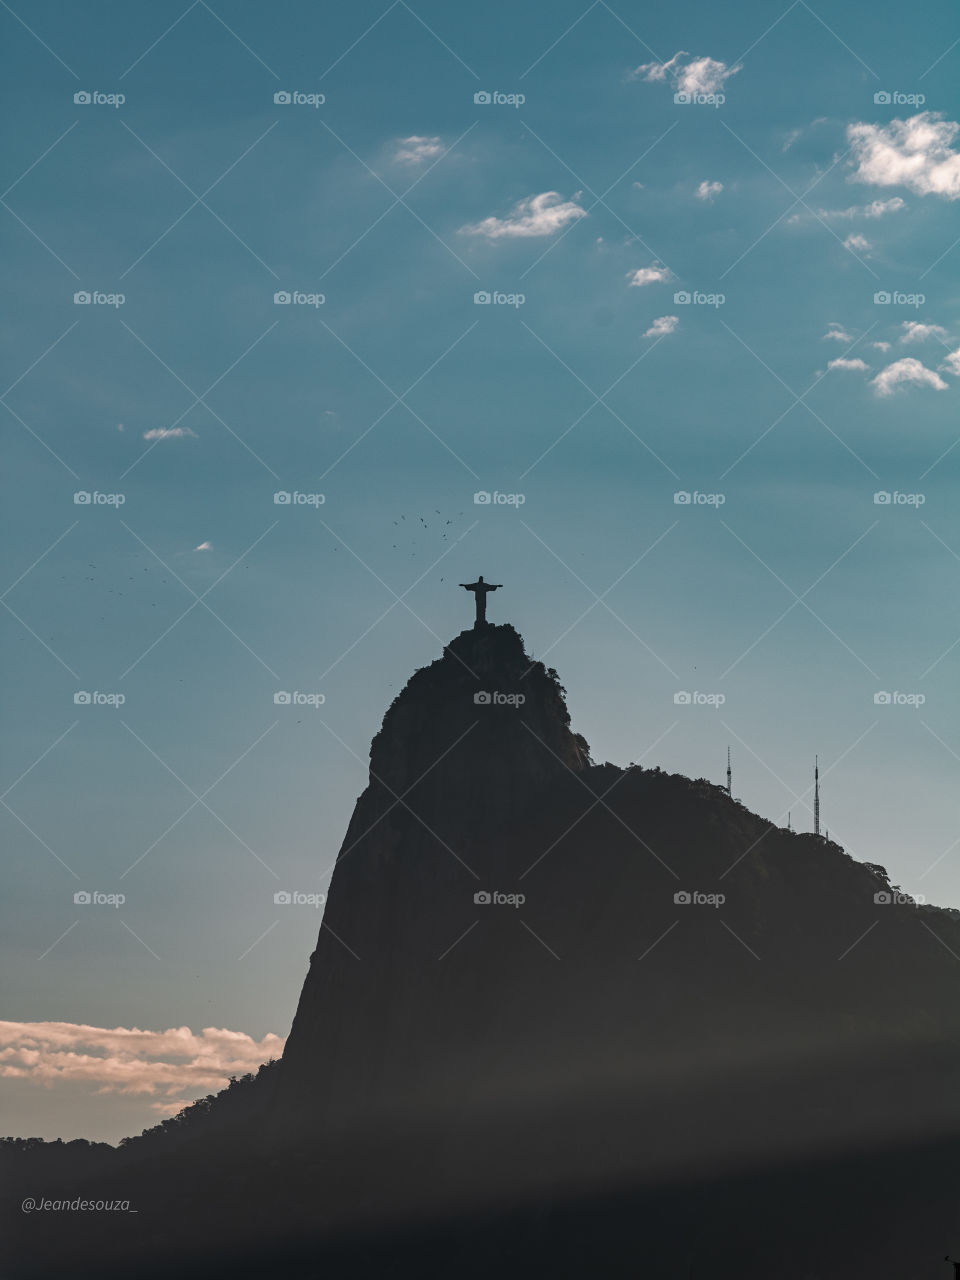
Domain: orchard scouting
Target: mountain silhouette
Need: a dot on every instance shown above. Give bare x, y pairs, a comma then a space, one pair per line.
566, 1018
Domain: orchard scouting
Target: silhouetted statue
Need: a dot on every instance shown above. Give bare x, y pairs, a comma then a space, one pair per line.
480, 589
956, 1267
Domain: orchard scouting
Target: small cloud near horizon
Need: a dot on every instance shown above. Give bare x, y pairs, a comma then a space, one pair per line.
125, 1060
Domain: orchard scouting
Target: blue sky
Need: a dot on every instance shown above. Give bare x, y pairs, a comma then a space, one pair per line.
781, 202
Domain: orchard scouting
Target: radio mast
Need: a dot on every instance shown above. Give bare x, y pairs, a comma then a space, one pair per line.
816, 796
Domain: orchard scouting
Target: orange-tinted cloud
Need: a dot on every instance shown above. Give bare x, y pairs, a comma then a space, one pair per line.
175, 1063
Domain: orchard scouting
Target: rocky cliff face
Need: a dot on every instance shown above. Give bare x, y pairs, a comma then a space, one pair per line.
469, 753
514, 930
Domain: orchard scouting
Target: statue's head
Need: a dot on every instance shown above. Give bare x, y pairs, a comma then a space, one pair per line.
480, 579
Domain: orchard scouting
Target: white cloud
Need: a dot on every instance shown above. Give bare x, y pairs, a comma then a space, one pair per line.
701, 75
875, 209
881, 346
659, 70
857, 243
707, 190
952, 363
704, 75
127, 1060
417, 149
915, 153
837, 333
541, 215
853, 365
649, 275
662, 326
204, 546
879, 208
916, 331
168, 433
903, 372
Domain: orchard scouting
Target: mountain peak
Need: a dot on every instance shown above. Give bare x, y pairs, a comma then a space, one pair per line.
481, 720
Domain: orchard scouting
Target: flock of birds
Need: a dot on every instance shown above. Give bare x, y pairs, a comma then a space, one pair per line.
112, 591
401, 524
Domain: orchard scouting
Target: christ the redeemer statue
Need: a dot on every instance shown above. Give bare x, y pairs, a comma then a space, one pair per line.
480, 589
